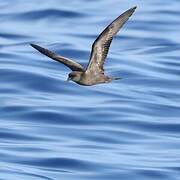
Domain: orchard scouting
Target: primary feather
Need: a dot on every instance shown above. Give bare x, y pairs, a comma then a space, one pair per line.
74, 66
101, 45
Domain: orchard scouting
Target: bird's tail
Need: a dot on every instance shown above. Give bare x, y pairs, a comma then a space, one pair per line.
116, 78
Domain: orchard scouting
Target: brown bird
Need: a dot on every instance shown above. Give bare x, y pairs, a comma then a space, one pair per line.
94, 73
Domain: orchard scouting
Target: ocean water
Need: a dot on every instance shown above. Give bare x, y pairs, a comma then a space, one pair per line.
51, 129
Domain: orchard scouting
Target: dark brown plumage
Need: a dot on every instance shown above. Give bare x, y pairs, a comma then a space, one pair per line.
94, 73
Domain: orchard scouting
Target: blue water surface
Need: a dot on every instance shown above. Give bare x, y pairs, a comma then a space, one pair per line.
51, 129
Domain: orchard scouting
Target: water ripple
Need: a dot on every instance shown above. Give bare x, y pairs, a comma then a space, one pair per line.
53, 129
43, 14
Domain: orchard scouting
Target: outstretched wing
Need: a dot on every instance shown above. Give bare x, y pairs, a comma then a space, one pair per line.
101, 45
74, 66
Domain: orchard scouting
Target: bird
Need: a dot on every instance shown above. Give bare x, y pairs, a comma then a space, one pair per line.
94, 72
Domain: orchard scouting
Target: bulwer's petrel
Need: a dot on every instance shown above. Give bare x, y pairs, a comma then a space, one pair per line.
94, 73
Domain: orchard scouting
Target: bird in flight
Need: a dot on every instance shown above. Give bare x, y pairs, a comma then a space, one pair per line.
94, 72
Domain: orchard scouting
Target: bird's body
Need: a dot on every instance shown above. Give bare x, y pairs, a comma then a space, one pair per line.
94, 73
87, 79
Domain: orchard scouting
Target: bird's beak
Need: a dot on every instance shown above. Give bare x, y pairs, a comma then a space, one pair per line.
68, 79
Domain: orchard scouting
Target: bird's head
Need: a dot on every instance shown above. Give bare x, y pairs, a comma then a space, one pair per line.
75, 76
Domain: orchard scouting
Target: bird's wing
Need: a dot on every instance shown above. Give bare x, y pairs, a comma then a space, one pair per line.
101, 45
74, 66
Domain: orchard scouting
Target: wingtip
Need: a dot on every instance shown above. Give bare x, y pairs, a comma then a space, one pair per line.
133, 8
33, 45
39, 48
130, 11
42, 50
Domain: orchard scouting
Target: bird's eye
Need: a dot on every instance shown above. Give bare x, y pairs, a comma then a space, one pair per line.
71, 75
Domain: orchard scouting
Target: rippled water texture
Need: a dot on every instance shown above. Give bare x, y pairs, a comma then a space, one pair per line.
51, 129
